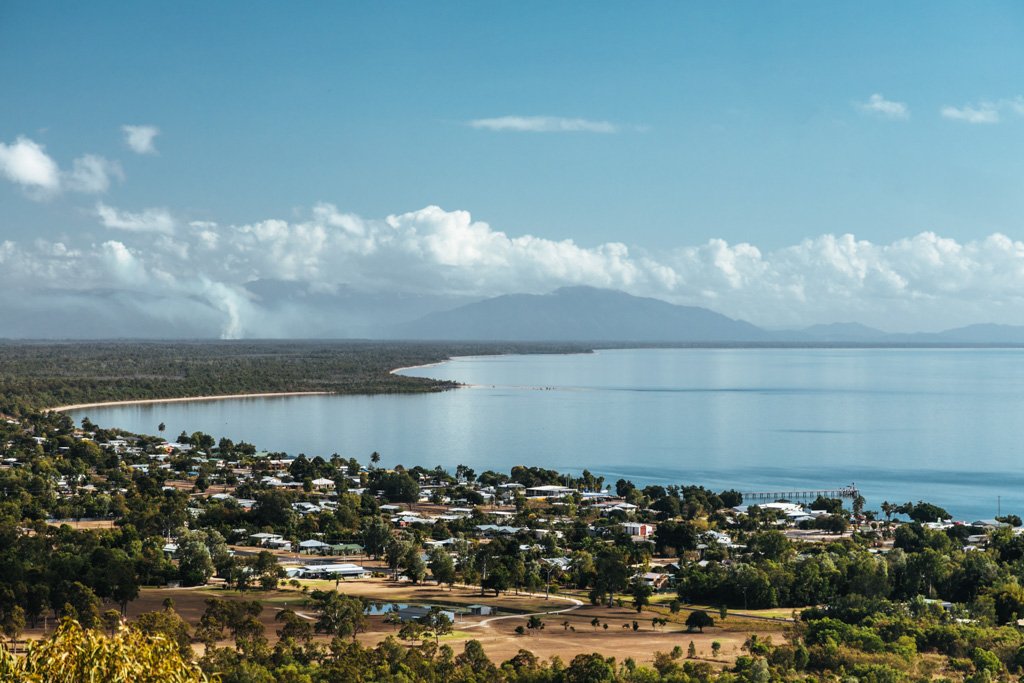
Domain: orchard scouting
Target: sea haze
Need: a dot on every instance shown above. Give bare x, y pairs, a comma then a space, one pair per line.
941, 425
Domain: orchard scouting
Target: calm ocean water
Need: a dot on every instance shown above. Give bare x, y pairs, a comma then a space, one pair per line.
942, 425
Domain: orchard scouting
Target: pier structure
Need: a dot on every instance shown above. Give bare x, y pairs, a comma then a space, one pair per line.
850, 491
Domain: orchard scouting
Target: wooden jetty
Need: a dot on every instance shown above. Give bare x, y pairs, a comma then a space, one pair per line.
850, 491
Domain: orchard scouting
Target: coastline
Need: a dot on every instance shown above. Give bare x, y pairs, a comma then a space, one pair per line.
182, 399
425, 365
226, 397
220, 397
461, 385
972, 505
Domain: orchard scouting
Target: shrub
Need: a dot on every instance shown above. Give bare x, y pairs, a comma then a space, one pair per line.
73, 653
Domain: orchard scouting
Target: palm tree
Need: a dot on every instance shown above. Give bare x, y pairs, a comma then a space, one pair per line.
888, 509
375, 457
858, 504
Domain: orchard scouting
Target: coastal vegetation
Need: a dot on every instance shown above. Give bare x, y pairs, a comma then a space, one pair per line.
36, 375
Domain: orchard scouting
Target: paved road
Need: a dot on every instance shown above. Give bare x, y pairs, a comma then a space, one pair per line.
576, 604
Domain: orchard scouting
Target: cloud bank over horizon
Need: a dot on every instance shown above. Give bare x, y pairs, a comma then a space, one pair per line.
159, 274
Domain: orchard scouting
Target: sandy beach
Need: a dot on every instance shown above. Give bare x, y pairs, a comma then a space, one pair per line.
416, 367
224, 397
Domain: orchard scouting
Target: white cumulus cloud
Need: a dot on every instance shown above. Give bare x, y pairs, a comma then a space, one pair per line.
925, 281
149, 220
26, 163
984, 112
140, 138
198, 278
890, 109
92, 174
544, 124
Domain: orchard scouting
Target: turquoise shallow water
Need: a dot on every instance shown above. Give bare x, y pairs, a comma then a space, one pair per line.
943, 425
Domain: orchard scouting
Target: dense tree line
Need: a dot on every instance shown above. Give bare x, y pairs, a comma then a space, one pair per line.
35, 375
775, 572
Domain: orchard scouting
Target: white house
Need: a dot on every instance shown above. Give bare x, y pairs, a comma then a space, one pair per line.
313, 546
264, 538
548, 491
329, 571
639, 529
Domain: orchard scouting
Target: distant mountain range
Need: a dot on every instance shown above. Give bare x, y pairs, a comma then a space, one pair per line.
279, 309
588, 314
580, 314
986, 333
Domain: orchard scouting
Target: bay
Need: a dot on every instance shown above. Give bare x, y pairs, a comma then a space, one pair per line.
942, 425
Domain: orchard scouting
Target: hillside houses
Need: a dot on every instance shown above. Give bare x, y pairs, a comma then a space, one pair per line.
314, 516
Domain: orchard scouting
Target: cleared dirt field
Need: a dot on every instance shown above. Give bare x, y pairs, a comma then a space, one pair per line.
501, 642
84, 524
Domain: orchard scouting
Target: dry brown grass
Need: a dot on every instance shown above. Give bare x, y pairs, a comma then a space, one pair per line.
85, 524
565, 635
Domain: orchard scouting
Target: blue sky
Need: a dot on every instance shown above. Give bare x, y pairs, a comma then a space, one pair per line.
750, 123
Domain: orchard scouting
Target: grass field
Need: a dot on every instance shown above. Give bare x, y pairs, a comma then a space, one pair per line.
565, 634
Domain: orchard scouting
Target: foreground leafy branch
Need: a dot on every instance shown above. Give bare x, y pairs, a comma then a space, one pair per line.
73, 654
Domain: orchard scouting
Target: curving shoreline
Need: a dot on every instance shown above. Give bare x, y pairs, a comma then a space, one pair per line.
218, 397
183, 399
398, 371
268, 394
